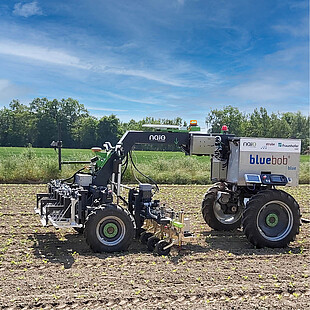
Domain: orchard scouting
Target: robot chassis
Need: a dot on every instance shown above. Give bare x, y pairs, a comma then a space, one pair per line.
245, 172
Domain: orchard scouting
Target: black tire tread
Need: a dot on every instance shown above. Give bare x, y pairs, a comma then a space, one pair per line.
91, 220
250, 215
151, 243
208, 213
159, 248
145, 236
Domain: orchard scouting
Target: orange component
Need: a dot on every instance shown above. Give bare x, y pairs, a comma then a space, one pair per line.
96, 149
193, 122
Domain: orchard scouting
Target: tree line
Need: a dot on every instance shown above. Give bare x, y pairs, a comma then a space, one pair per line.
43, 120
261, 124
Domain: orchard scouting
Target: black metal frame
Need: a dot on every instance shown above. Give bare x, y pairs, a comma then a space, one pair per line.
129, 139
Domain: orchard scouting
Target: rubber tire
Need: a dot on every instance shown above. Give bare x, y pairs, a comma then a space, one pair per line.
151, 243
145, 236
252, 211
208, 212
97, 216
159, 248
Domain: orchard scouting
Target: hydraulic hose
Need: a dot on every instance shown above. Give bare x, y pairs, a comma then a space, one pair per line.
147, 177
125, 165
64, 180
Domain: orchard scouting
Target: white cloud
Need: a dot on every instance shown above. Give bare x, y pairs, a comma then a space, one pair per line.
40, 53
280, 81
126, 98
27, 9
180, 75
60, 57
299, 5
105, 109
9, 91
292, 56
152, 76
4, 84
267, 90
296, 30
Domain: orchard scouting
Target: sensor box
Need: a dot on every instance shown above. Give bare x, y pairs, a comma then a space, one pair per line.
263, 156
83, 179
202, 145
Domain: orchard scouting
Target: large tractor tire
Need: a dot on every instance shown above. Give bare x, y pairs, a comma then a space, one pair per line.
109, 228
271, 219
213, 214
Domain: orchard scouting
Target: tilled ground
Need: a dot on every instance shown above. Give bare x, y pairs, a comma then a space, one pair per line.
44, 268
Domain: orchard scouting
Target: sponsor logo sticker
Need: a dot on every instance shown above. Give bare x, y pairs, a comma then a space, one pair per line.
249, 144
280, 144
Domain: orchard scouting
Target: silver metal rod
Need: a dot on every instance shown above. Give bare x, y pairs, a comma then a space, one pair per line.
119, 178
73, 203
113, 182
169, 245
75, 162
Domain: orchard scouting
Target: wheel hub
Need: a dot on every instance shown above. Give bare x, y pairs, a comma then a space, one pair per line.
110, 230
234, 209
272, 220
275, 220
226, 217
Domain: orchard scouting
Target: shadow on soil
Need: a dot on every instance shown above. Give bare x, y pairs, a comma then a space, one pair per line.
50, 247
236, 243
63, 250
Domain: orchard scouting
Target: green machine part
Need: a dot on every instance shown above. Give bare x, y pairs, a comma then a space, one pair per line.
103, 157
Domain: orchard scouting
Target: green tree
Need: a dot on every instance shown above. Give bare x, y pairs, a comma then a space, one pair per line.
46, 116
299, 127
70, 111
131, 125
56, 116
258, 124
84, 132
230, 116
108, 130
16, 125
278, 127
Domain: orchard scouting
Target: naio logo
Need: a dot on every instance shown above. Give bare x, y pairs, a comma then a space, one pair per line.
249, 144
158, 138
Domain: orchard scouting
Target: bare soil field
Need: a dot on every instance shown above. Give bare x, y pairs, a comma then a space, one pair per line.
49, 269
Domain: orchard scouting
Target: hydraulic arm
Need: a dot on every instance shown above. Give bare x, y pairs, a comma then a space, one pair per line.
130, 138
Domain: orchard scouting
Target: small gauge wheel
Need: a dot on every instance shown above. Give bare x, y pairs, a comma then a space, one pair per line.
151, 243
160, 248
145, 236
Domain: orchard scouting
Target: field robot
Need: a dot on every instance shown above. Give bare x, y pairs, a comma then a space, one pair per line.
246, 173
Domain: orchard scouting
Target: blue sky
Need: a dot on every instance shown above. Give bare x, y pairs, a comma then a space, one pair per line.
156, 57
